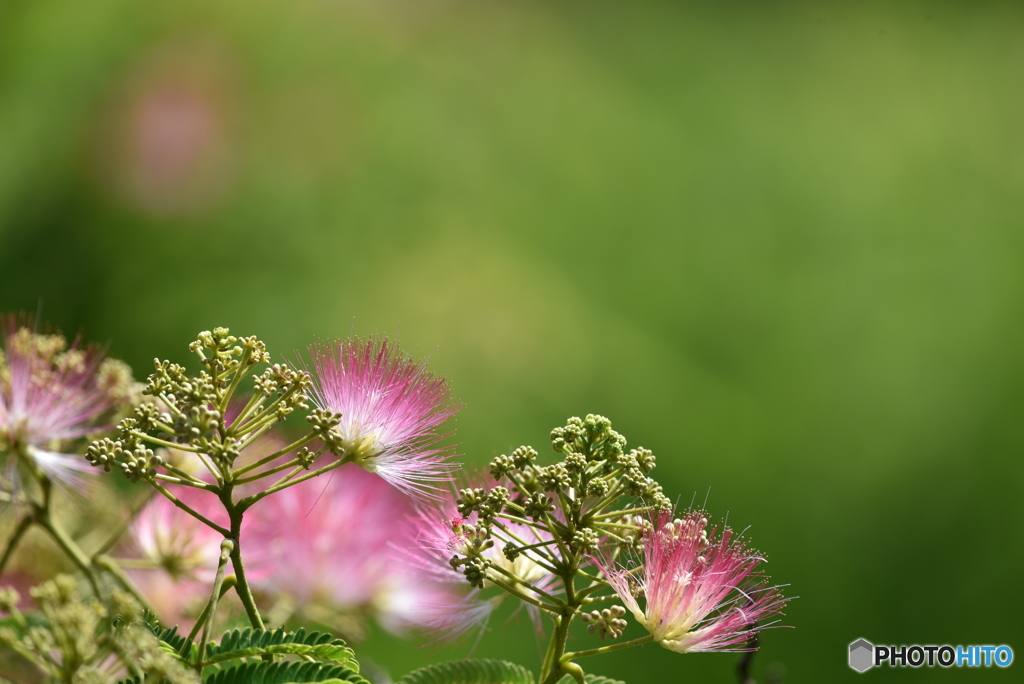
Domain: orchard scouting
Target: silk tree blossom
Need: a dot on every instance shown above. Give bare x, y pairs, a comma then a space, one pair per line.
179, 553
441, 532
51, 393
392, 410
174, 540
702, 590
328, 546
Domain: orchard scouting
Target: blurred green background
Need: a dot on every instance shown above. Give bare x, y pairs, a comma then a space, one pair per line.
780, 244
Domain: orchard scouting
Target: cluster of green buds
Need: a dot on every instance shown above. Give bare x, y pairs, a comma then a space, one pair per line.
199, 415
192, 431
575, 501
605, 622
190, 413
85, 640
536, 530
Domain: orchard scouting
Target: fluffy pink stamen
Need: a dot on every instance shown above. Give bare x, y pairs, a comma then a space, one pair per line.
41, 404
392, 409
702, 588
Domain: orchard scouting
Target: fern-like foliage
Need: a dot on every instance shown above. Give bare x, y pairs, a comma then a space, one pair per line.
591, 679
259, 672
246, 643
173, 642
470, 672
234, 658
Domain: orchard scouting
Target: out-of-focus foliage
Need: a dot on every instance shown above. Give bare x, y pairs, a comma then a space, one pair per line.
779, 244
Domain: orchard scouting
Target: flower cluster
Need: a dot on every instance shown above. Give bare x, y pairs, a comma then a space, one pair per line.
374, 408
361, 515
51, 394
541, 531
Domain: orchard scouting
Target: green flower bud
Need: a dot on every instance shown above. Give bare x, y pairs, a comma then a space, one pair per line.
585, 539
524, 456
538, 505
644, 458
606, 622
470, 500
575, 463
554, 478
104, 453
501, 466
598, 487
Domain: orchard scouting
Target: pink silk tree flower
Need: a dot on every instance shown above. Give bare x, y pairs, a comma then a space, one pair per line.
440, 532
392, 409
51, 393
702, 590
179, 553
175, 541
327, 545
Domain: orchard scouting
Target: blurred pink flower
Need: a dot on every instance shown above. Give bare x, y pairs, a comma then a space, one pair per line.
167, 142
328, 541
701, 589
179, 554
49, 393
174, 540
440, 532
391, 410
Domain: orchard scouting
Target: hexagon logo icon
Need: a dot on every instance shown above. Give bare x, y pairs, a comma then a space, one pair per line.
862, 655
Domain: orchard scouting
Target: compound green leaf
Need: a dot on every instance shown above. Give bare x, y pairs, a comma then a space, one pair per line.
260, 672
247, 643
470, 672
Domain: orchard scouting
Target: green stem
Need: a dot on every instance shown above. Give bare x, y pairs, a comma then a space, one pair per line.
572, 655
12, 543
567, 512
69, 547
163, 442
535, 548
523, 597
170, 405
302, 441
614, 494
556, 527
552, 670
254, 400
559, 603
562, 548
284, 482
228, 584
175, 470
241, 370
256, 434
242, 586
198, 516
265, 413
226, 547
259, 476
41, 516
619, 514
195, 484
